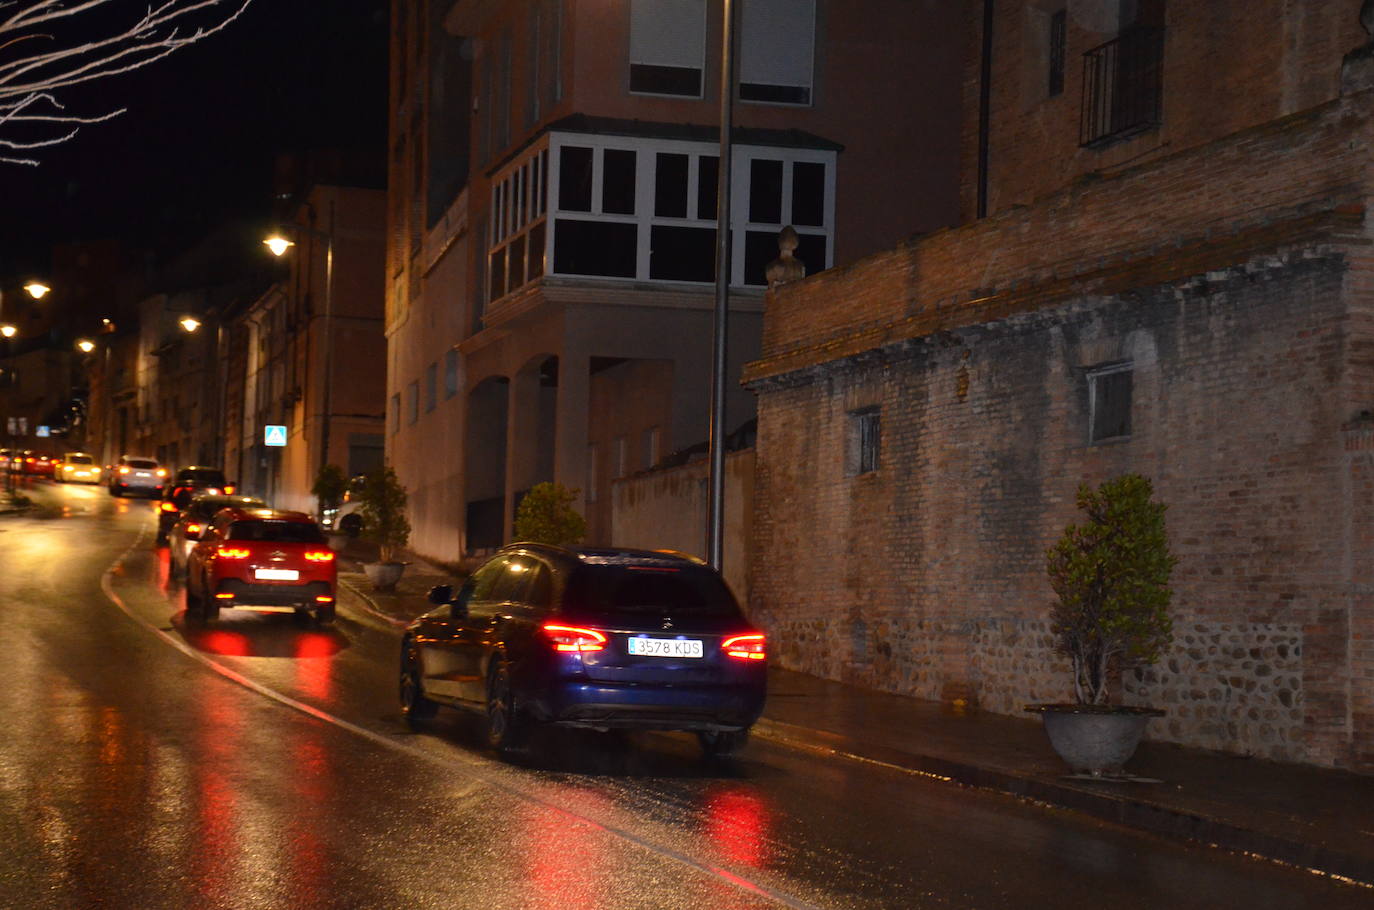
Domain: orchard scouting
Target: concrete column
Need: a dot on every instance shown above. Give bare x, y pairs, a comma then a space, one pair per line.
570, 438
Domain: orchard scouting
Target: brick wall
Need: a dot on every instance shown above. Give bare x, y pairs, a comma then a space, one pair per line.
926, 577
1228, 65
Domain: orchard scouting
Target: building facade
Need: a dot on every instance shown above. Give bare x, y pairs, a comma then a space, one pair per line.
1172, 278
554, 179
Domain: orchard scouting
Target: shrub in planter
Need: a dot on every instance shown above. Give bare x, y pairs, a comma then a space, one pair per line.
382, 502
329, 488
1111, 577
546, 515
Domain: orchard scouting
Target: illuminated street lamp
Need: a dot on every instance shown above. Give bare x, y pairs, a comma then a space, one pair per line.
189, 323
86, 345
8, 331
37, 289
278, 245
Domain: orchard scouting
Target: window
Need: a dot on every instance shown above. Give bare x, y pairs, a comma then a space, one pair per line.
1123, 82
413, 402
622, 455
667, 47
395, 412
777, 51
431, 386
450, 374
518, 225
1058, 33
1109, 402
865, 440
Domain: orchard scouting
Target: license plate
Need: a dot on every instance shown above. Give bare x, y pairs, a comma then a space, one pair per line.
143, 474
277, 574
666, 647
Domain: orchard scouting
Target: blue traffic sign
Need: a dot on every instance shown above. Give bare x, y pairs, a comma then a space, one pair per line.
273, 435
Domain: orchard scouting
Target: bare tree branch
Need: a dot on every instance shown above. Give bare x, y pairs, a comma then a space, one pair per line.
44, 49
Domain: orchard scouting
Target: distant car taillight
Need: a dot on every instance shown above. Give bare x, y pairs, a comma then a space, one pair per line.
123, 469
161, 472
319, 556
232, 553
228, 489
572, 638
745, 647
169, 507
193, 529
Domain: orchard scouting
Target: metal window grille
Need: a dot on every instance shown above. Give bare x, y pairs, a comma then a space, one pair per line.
1123, 82
868, 432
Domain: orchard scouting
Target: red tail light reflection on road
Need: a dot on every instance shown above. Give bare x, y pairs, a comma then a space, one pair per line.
745, 647
572, 638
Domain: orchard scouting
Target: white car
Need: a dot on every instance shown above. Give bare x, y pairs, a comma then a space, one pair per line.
133, 474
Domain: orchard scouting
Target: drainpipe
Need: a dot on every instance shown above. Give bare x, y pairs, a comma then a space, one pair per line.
984, 109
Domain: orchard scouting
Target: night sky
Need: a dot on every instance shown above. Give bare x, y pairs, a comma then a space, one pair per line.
198, 144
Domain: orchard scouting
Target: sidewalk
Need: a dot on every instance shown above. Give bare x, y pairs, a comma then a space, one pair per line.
1306, 817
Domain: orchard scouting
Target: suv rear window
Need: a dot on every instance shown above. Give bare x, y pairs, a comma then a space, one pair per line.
80, 459
207, 476
276, 531
143, 463
634, 590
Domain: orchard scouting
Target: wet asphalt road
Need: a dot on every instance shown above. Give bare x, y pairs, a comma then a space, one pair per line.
258, 763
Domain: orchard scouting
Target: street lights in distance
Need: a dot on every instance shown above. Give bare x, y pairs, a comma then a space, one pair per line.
189, 324
278, 245
8, 331
86, 345
37, 289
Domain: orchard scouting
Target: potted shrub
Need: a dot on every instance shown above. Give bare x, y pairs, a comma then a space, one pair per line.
546, 515
382, 502
1111, 577
329, 488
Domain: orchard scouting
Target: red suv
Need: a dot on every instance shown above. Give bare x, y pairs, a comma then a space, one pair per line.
261, 559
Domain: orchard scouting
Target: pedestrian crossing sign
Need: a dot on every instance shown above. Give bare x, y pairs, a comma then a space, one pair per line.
273, 435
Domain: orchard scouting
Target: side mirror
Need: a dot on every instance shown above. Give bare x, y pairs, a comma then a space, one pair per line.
441, 594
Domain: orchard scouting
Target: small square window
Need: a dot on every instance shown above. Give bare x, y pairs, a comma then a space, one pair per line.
395, 412
413, 402
1058, 33
1109, 403
431, 386
450, 374
865, 441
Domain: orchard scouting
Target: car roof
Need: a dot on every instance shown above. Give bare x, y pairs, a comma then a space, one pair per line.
607, 556
199, 467
229, 501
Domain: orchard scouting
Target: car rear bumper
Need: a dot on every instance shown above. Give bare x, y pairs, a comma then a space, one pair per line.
232, 592
628, 706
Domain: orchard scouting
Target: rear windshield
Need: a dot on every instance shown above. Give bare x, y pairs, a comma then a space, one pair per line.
277, 531
141, 463
80, 459
634, 590
205, 507
208, 476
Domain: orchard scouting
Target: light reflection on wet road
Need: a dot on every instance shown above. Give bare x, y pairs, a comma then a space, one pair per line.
134, 775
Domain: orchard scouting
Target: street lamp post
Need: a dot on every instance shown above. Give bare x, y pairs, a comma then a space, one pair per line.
279, 245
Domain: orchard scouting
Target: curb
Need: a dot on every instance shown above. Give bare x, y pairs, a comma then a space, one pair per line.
1132, 813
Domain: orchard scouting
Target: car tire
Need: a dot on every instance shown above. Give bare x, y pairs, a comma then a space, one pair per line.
415, 708
719, 744
325, 614
506, 729
195, 609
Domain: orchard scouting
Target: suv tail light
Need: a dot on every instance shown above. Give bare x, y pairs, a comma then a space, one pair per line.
572, 638
745, 647
319, 556
193, 528
232, 553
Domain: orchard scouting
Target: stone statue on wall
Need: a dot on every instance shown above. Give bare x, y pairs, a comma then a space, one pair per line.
787, 267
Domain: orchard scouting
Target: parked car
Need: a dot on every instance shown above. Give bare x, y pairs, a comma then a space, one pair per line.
77, 467
264, 560
195, 518
588, 638
178, 493
134, 474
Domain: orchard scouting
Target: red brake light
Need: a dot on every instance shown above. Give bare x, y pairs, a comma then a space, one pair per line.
228, 489
572, 638
319, 556
169, 507
193, 528
745, 647
232, 552
323, 599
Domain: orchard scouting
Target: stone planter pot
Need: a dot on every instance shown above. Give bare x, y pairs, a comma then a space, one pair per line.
384, 575
1095, 740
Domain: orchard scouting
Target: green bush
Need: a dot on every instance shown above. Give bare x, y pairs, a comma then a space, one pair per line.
382, 503
546, 515
1111, 575
329, 488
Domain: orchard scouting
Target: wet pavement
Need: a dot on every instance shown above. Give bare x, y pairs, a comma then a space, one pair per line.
1311, 818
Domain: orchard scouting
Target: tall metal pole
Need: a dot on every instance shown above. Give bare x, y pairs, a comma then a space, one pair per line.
328, 338
715, 531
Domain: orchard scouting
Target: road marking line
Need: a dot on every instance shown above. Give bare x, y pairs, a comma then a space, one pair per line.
472, 765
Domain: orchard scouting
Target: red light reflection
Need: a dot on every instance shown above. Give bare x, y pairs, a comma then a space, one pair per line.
559, 852
738, 824
162, 568
230, 644
314, 669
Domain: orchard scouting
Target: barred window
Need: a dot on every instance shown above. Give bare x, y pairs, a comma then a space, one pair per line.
1109, 402
865, 441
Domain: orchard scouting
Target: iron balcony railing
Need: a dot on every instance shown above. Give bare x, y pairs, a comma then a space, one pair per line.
1123, 87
